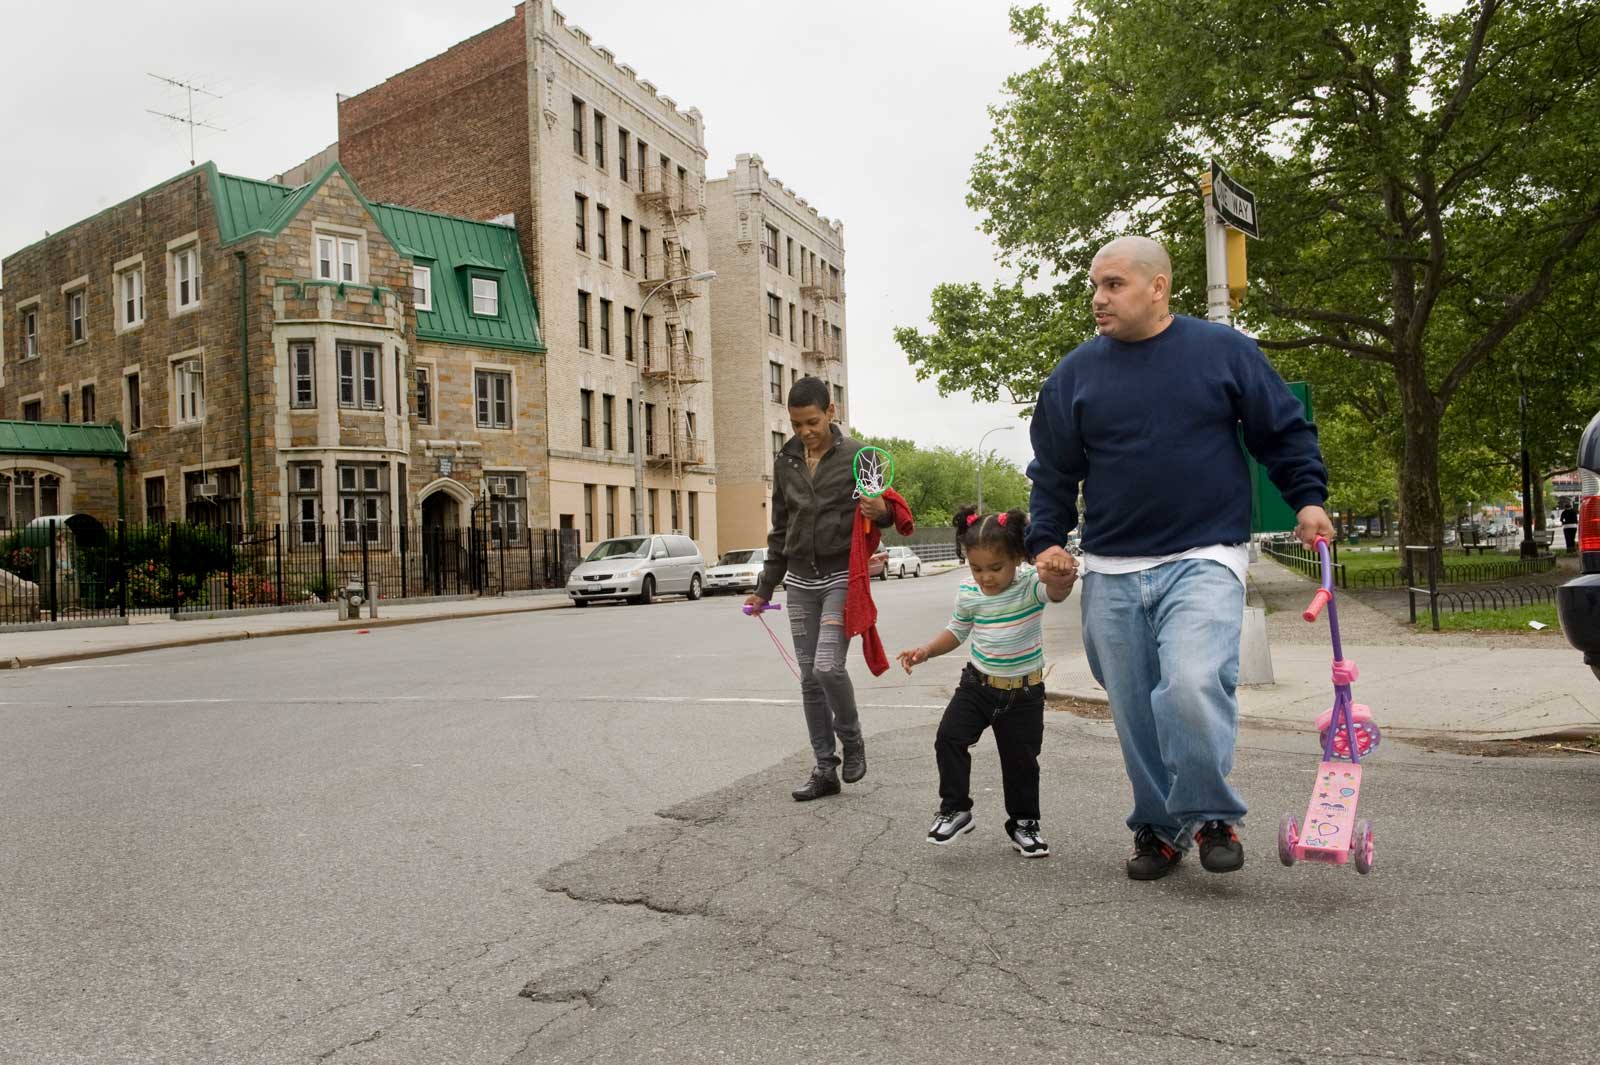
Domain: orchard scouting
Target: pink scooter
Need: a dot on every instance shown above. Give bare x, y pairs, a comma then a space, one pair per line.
1330, 832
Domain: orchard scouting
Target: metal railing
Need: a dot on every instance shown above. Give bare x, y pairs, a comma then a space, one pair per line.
1293, 554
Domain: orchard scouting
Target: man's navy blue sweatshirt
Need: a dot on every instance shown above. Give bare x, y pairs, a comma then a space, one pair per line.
1149, 429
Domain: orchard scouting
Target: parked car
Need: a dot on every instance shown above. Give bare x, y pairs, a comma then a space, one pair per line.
878, 564
1578, 601
902, 560
638, 568
736, 571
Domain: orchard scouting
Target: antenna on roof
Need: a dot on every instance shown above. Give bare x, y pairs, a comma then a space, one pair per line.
189, 89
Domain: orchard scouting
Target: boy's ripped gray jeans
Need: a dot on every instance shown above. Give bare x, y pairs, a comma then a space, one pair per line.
816, 618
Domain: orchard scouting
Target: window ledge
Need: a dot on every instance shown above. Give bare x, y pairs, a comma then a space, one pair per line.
178, 312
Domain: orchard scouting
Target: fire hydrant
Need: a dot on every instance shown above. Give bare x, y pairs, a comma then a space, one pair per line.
350, 599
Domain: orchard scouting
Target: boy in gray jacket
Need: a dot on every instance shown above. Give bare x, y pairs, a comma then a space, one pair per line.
808, 550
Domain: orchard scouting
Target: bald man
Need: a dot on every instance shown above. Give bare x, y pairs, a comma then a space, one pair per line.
1145, 418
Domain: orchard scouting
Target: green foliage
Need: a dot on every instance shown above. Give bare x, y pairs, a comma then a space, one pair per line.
1512, 619
938, 481
1429, 189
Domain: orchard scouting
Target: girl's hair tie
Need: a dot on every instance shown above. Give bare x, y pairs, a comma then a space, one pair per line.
1001, 519
970, 519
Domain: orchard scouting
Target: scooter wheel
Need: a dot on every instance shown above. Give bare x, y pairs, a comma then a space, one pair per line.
1361, 844
1288, 836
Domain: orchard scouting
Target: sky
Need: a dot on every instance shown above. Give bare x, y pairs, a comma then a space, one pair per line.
873, 110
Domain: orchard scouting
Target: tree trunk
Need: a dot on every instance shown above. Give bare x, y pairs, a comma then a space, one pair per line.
1421, 512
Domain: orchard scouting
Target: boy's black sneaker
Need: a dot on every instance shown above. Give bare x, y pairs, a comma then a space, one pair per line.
947, 826
1220, 849
820, 783
1152, 858
1026, 838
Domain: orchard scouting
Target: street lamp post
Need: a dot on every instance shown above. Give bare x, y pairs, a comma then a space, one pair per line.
638, 397
981, 439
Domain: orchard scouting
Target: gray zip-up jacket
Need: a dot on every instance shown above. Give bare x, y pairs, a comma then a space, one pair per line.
811, 513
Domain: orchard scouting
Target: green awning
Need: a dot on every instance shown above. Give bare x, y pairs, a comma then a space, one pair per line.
61, 438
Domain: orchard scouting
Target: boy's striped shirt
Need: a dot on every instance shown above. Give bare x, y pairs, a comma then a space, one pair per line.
1007, 630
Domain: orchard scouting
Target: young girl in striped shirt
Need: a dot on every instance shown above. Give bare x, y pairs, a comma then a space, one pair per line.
1002, 609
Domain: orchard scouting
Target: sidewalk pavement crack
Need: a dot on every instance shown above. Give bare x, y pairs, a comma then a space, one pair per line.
634, 900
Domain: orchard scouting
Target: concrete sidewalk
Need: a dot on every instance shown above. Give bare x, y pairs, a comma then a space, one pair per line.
1417, 683
42, 647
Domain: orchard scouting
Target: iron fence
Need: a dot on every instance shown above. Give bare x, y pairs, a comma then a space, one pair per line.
50, 572
1461, 572
1292, 553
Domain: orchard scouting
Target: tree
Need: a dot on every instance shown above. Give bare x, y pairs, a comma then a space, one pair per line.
1428, 184
938, 481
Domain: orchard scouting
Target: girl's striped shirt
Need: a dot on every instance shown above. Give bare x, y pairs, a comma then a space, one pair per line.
1007, 630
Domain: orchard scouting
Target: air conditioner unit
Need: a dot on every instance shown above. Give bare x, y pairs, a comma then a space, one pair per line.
190, 366
206, 490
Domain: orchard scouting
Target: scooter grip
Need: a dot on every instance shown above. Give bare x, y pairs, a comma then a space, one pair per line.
1318, 601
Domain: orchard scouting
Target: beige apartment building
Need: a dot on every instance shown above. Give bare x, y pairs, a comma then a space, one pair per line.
778, 314
603, 176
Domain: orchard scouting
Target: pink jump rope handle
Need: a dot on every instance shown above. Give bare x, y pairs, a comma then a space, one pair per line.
1319, 600
748, 609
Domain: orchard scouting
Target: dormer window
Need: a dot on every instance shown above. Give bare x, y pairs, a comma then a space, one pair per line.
486, 297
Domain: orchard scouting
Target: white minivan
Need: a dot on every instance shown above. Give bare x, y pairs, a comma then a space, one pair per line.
639, 568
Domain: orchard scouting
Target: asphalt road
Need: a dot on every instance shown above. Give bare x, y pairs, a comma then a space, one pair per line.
271, 850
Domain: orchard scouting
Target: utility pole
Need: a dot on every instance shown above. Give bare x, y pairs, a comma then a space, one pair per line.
1530, 549
189, 120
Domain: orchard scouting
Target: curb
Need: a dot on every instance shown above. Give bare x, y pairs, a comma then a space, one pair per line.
234, 637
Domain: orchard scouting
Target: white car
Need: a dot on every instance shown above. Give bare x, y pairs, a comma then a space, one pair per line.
903, 560
638, 568
736, 571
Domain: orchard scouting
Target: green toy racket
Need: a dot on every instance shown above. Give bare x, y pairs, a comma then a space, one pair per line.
874, 470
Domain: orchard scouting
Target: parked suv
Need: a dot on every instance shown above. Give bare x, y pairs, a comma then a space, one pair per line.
903, 560
1578, 601
638, 568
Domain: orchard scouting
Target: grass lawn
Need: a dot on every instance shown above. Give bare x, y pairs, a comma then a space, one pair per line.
1513, 619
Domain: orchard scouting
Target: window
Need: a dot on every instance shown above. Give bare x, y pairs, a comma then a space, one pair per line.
774, 311
627, 333
605, 327
791, 322
583, 319
586, 417
608, 438
775, 381
424, 395
694, 515
155, 500
633, 510
33, 410
838, 394
646, 324
643, 154
508, 502
211, 497
649, 428
588, 512
486, 297
305, 484
577, 126
688, 341
493, 389
769, 244
622, 154
833, 281
655, 508
644, 251
627, 243
30, 333
688, 425
803, 255
359, 387
77, 326
629, 405
602, 222
599, 140
130, 297
66, 407
86, 403
789, 256
777, 442
338, 258
676, 515
581, 207
327, 258
189, 391
838, 342
611, 510
186, 277
805, 330
27, 494
422, 287
363, 501
349, 260
303, 367
135, 404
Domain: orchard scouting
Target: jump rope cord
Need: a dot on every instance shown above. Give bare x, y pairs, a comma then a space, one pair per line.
788, 659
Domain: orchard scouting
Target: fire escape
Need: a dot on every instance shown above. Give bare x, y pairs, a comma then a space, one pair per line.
673, 367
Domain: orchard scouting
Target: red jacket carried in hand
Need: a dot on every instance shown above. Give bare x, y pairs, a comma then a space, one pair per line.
860, 613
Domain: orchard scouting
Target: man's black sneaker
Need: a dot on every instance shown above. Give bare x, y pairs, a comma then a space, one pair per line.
946, 827
1152, 859
820, 783
855, 762
1220, 849
1026, 838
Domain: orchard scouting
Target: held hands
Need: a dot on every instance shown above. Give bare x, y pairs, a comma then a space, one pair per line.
873, 508
1058, 569
914, 657
1313, 522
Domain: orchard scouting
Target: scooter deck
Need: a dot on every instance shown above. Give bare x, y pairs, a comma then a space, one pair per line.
1331, 814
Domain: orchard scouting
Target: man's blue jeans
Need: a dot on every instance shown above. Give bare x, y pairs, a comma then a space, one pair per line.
1164, 643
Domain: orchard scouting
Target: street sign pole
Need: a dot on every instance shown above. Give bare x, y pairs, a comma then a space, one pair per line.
1217, 307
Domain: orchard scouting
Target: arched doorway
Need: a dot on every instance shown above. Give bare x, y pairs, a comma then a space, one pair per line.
443, 546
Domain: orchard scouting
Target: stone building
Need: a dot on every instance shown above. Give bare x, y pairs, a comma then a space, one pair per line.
778, 315
285, 356
603, 176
